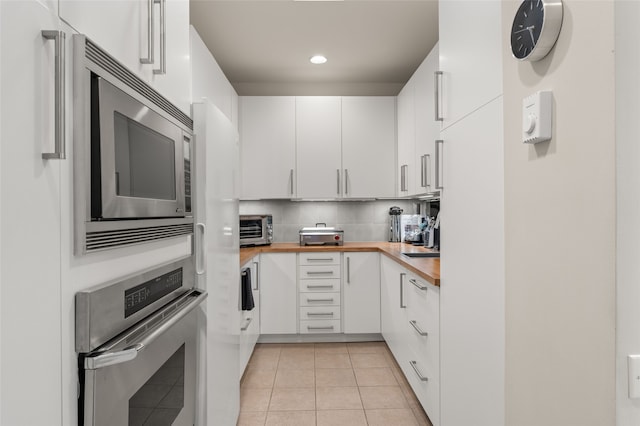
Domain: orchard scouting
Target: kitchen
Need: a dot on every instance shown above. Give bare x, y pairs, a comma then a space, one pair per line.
562, 290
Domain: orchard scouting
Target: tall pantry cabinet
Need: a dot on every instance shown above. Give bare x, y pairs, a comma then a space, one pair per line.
472, 323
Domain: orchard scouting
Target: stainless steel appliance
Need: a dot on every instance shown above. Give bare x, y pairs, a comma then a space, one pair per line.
136, 344
395, 228
256, 230
321, 235
132, 160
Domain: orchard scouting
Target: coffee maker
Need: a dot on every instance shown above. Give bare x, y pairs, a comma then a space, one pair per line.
394, 224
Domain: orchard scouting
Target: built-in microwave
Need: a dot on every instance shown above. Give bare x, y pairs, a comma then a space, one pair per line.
132, 160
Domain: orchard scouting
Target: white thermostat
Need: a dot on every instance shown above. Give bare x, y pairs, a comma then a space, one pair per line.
536, 117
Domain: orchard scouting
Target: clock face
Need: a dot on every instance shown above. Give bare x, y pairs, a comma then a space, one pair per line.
526, 29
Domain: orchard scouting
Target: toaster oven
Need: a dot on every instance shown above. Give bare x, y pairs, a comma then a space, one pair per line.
256, 230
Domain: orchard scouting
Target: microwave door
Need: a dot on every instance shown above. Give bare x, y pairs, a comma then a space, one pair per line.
141, 166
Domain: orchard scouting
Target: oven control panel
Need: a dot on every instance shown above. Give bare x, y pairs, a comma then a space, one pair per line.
142, 295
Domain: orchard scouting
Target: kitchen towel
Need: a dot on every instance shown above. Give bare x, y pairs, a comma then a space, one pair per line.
247, 290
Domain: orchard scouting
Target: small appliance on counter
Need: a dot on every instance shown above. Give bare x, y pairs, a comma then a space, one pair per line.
321, 235
256, 230
394, 224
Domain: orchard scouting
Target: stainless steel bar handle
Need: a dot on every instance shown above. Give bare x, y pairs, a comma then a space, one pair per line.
417, 284
319, 286
418, 373
439, 142
319, 272
150, 27
320, 300
257, 275
246, 326
291, 180
318, 259
338, 174
437, 95
59, 92
201, 249
346, 182
131, 352
403, 177
402, 305
423, 178
313, 314
310, 327
427, 168
348, 270
414, 324
163, 38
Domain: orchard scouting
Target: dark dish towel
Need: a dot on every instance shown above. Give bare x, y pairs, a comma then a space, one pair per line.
247, 293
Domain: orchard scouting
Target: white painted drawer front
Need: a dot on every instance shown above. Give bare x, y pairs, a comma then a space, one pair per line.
320, 299
319, 326
317, 285
319, 259
319, 313
427, 391
319, 272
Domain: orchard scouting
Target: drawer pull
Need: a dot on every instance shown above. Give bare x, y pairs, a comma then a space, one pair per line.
311, 327
415, 368
417, 284
320, 300
320, 286
313, 314
319, 272
415, 325
247, 325
318, 259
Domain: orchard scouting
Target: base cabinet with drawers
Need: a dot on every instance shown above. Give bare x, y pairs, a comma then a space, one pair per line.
411, 327
319, 296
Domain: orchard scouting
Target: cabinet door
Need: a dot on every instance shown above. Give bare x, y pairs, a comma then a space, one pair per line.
393, 307
427, 129
278, 304
318, 146
405, 172
361, 293
31, 217
268, 146
470, 47
368, 146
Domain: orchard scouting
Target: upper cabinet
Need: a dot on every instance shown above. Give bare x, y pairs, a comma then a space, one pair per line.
317, 147
151, 38
470, 46
406, 140
268, 147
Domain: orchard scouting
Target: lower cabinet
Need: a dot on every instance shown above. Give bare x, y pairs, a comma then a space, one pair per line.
411, 326
319, 293
361, 291
250, 320
278, 293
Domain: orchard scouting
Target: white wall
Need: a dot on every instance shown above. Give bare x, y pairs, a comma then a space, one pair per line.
628, 202
560, 228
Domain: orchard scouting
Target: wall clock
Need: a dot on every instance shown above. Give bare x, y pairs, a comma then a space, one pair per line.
536, 27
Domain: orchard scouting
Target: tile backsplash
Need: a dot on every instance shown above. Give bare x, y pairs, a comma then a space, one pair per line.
360, 220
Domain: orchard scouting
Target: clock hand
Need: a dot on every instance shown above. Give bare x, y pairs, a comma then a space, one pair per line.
533, 40
529, 28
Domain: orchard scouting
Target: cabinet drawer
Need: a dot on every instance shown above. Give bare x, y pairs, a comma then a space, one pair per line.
423, 301
427, 391
319, 313
319, 271
316, 285
319, 326
319, 299
319, 258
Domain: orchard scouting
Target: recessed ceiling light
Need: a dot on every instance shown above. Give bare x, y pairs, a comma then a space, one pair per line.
317, 59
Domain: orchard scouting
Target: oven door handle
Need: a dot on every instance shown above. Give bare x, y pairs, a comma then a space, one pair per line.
105, 359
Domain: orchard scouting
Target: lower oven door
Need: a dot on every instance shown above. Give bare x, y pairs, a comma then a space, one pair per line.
148, 382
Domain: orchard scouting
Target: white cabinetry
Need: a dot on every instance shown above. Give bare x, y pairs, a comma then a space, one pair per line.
368, 142
124, 30
361, 301
278, 304
318, 146
250, 320
319, 296
406, 140
268, 151
31, 217
470, 56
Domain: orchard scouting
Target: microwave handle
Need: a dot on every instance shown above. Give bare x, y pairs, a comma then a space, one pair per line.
201, 249
59, 40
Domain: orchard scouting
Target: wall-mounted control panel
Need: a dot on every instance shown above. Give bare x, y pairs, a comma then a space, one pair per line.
536, 117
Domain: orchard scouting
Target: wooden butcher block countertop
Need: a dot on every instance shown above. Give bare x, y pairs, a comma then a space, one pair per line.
426, 268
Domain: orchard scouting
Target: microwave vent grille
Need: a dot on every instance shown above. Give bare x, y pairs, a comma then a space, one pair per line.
104, 60
102, 240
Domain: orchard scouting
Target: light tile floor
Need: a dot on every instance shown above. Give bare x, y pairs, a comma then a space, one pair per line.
327, 384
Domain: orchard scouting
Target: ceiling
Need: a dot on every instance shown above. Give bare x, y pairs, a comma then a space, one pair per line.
264, 46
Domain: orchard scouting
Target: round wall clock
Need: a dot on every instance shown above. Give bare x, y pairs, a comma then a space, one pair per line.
536, 27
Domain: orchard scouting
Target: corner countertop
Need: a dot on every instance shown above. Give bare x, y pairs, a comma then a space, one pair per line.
426, 268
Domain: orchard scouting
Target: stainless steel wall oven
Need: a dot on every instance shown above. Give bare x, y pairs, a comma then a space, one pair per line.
132, 152
136, 344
